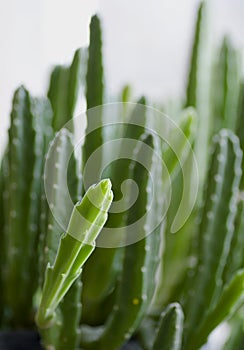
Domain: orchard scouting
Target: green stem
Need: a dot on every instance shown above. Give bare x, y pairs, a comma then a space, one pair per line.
75, 247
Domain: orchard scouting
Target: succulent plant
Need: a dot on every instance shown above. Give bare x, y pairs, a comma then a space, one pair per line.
156, 291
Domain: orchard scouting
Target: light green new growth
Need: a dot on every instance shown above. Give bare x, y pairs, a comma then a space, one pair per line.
74, 249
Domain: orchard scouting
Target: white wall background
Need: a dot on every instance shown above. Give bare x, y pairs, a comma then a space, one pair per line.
146, 42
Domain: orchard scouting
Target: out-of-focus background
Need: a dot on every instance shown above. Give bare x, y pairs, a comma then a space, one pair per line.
146, 43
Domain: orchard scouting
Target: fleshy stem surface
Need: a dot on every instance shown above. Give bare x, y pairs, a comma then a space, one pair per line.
86, 222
